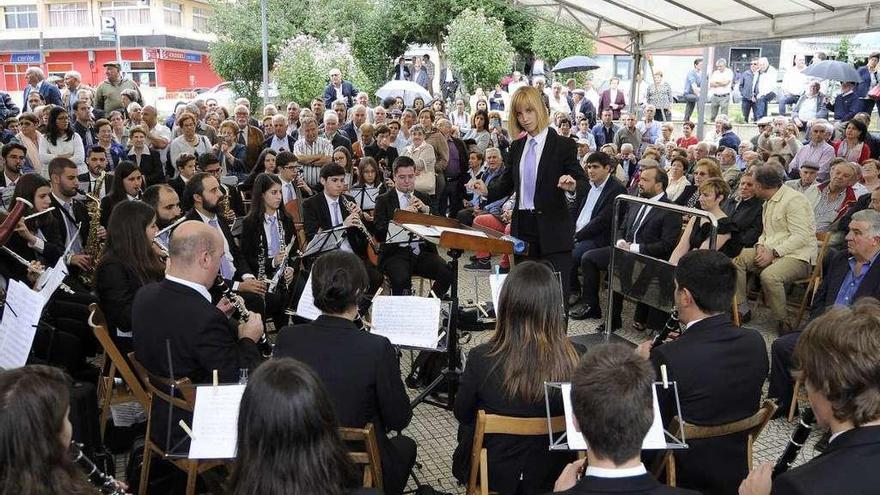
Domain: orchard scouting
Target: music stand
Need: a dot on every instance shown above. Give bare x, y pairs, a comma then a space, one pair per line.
365, 197
456, 243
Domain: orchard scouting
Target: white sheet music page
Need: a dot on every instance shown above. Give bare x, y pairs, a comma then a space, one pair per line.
475, 233
407, 320
305, 307
19, 325
423, 230
654, 440
496, 281
52, 278
215, 422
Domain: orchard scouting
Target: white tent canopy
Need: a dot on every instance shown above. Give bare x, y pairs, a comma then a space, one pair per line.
652, 25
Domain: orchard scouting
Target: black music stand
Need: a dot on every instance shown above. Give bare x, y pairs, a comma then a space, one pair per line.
365, 197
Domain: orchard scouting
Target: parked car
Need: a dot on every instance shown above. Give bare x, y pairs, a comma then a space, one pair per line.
225, 95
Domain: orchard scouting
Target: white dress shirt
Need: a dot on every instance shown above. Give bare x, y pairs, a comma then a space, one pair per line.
540, 140
226, 252
201, 289
338, 219
616, 473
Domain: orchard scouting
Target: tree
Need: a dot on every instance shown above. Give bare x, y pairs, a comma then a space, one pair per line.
485, 66
304, 62
554, 42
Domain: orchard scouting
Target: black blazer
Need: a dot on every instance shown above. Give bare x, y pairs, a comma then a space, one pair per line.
201, 340
179, 187
836, 267
719, 369
559, 157
241, 266
85, 183
80, 217
107, 205
253, 239
641, 485
116, 285
389, 154
849, 465
510, 457
316, 215
599, 227
386, 205
349, 131
658, 233
53, 248
748, 219
151, 166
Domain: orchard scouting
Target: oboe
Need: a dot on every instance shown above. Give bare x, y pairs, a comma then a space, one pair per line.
350, 206
27, 263
796, 442
103, 481
670, 326
243, 314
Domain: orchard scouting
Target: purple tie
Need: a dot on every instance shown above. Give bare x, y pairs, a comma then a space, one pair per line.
529, 174
227, 271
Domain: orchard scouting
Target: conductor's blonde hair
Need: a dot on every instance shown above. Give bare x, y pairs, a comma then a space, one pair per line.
526, 98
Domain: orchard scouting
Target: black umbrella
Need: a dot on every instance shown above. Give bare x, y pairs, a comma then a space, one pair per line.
834, 70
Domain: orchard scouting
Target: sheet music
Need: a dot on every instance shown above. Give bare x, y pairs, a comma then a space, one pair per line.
576, 441
215, 422
127, 413
19, 325
423, 230
397, 235
496, 281
320, 241
52, 278
365, 197
407, 320
306, 305
475, 233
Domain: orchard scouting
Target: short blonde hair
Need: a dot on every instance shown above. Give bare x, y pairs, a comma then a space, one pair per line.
527, 97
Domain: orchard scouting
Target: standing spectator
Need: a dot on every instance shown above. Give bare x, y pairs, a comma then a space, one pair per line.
558, 101
591, 94
104, 138
582, 108
459, 117
424, 157
720, 82
746, 85
763, 87
450, 201
401, 70
37, 83
420, 74
692, 88
612, 99
659, 95
429, 68
293, 120
449, 83
7, 107
629, 133
870, 77
518, 81
728, 138
332, 133
794, 83
60, 141
108, 96
83, 124
279, 140
339, 90
188, 143
604, 131
248, 135
649, 128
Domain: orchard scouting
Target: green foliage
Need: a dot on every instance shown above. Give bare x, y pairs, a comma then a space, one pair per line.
843, 48
478, 49
554, 42
375, 47
242, 64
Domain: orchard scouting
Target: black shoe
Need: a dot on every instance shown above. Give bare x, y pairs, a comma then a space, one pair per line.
480, 264
474, 258
583, 311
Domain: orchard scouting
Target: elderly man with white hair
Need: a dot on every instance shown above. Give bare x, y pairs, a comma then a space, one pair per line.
339, 90
817, 151
720, 82
279, 140
831, 200
332, 134
72, 85
36, 80
810, 106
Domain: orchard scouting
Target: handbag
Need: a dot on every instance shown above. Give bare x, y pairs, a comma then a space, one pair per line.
874, 92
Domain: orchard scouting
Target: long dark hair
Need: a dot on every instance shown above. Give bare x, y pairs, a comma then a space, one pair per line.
127, 242
259, 168
263, 183
292, 447
365, 162
26, 188
530, 343
33, 405
122, 171
52, 130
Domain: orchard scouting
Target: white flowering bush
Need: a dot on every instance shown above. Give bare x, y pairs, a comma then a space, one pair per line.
303, 64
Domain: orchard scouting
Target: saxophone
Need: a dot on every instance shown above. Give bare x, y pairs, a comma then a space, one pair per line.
94, 246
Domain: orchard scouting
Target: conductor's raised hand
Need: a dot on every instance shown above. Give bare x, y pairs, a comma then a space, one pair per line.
567, 183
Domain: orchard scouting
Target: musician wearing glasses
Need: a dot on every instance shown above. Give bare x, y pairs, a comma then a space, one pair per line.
837, 357
401, 261
333, 209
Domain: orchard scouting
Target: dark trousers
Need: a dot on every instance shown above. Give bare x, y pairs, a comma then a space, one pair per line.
592, 263
580, 249
466, 216
761, 105
691, 102
451, 197
403, 264
398, 456
786, 100
868, 106
748, 106
560, 261
781, 363
663, 114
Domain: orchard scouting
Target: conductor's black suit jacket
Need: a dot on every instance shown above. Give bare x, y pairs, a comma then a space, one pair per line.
558, 158
719, 369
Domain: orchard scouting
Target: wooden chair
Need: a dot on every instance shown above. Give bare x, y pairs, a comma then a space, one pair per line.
368, 458
797, 395
495, 424
754, 425
192, 467
108, 394
811, 283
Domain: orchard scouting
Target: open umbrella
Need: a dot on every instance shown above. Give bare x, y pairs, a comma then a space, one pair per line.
576, 63
407, 90
834, 70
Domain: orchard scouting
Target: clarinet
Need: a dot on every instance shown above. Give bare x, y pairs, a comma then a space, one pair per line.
243, 314
796, 442
670, 326
103, 481
350, 206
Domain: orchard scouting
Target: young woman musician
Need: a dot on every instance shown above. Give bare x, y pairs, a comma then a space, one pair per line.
128, 183
506, 376
299, 433
35, 433
38, 238
370, 177
266, 234
130, 260
265, 165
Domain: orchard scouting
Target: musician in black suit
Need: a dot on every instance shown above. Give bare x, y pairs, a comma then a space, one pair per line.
147, 159
719, 369
646, 230
368, 388
186, 168
208, 163
593, 211
544, 172
177, 316
96, 162
70, 214
330, 210
746, 211
128, 184
848, 276
837, 355
613, 408
401, 261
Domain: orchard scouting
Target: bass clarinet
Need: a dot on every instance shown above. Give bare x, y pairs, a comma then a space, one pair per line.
670, 326
796, 442
243, 314
104, 482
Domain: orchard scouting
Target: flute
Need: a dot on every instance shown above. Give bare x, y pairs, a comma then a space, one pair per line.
170, 227
27, 263
35, 215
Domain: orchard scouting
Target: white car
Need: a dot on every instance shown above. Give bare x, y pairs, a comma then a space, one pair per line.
225, 95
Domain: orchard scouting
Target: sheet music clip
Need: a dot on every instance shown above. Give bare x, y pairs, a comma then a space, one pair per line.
399, 235
443, 326
654, 440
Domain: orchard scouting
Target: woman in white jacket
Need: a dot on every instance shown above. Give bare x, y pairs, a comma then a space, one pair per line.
61, 141
425, 158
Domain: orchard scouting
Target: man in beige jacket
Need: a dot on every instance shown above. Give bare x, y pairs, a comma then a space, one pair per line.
784, 251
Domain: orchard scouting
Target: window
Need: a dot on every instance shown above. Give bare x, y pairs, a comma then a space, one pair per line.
69, 14
21, 16
173, 14
127, 12
200, 19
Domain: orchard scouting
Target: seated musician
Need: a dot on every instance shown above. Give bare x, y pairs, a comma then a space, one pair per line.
613, 408
129, 261
300, 449
209, 163
368, 388
166, 203
719, 369
186, 168
333, 209
294, 188
837, 356
176, 316
401, 261
72, 216
267, 232
506, 376
128, 184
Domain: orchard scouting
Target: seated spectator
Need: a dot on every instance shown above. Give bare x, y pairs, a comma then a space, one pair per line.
845, 106
628, 163
808, 173
872, 138
677, 180
810, 106
490, 171
665, 138
730, 173
497, 218
713, 192
688, 138
265, 165
728, 138
817, 151
853, 146
506, 376
604, 130
830, 200
745, 211
706, 168
781, 138
649, 127
870, 172
424, 156
612, 403
629, 133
